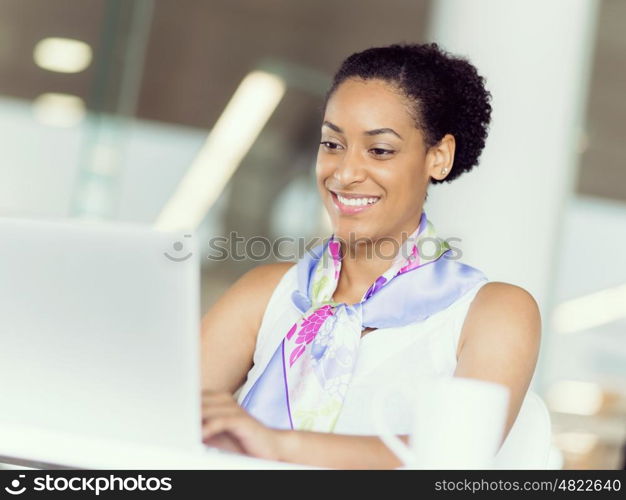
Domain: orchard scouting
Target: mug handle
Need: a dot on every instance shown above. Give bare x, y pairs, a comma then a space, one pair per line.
395, 444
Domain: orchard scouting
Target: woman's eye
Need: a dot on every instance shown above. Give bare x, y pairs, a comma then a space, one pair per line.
381, 151
330, 145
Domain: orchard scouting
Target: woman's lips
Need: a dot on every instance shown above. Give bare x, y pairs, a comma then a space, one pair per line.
352, 209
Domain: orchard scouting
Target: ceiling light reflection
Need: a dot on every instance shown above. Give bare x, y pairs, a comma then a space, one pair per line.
228, 142
63, 55
59, 110
572, 396
591, 310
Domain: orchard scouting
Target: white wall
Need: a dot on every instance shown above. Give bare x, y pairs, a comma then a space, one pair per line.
509, 212
535, 57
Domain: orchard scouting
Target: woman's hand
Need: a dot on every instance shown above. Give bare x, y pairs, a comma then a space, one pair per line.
227, 426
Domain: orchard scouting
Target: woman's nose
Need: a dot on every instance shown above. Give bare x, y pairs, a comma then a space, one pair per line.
349, 168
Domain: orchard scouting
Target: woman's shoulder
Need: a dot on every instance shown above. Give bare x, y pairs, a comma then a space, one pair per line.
504, 313
251, 293
267, 287
259, 283
265, 278
495, 294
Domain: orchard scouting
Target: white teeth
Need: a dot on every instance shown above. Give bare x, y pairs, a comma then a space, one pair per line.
356, 202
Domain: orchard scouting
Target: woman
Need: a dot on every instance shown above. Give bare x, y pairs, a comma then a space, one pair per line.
372, 308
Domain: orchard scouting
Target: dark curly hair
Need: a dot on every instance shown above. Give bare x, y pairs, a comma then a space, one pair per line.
447, 93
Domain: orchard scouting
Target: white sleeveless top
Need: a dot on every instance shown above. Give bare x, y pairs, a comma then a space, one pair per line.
388, 358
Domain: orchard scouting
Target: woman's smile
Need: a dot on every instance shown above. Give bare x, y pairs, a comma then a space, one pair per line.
353, 203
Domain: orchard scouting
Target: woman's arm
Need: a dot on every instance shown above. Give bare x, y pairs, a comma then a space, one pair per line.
227, 425
229, 329
339, 451
500, 341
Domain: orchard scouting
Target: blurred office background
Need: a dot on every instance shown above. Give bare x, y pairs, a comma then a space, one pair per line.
206, 113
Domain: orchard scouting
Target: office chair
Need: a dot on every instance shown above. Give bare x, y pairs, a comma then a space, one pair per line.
528, 445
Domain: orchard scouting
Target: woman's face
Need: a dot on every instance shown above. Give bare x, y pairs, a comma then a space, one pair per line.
372, 168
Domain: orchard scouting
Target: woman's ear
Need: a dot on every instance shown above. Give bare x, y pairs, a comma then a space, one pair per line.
441, 158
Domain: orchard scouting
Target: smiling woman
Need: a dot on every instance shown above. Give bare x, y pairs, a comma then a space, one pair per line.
396, 120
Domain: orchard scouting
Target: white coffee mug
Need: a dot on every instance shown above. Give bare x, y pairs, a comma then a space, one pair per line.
457, 423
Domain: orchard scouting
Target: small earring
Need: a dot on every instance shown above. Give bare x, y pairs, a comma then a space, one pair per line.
443, 171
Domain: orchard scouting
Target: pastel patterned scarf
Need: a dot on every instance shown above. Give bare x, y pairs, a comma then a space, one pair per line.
305, 382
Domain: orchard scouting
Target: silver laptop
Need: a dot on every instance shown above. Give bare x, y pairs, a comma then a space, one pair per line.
99, 331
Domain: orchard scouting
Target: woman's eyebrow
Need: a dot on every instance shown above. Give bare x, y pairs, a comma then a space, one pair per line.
376, 131
332, 126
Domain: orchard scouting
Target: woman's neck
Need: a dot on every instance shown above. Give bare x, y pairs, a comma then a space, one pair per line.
357, 274
363, 263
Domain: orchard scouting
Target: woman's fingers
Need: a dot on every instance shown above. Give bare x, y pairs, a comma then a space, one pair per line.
232, 423
227, 425
220, 413
224, 442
